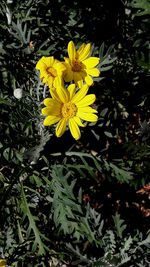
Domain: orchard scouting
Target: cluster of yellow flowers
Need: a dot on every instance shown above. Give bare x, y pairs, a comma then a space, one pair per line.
69, 106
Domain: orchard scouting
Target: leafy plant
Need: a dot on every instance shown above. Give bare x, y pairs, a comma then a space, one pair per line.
143, 6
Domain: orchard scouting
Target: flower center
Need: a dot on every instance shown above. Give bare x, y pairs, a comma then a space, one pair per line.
69, 110
52, 72
77, 66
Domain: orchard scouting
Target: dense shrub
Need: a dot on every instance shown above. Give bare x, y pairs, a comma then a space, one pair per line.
48, 216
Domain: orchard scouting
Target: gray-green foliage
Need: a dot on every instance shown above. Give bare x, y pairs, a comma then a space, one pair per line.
43, 216
125, 250
121, 173
25, 208
141, 12
143, 7
69, 215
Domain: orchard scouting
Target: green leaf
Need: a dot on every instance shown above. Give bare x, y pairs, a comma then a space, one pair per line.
119, 225
38, 243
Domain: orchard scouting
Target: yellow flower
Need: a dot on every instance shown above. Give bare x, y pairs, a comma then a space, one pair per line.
51, 70
2, 263
68, 108
80, 66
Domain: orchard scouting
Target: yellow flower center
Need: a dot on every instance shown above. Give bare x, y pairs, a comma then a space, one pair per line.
52, 72
77, 66
69, 110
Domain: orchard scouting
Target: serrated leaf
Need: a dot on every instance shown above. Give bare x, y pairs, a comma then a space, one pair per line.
119, 225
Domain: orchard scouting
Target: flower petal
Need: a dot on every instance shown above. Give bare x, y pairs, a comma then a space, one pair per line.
40, 65
53, 109
58, 82
49, 80
48, 101
86, 101
71, 50
44, 62
91, 62
80, 94
93, 72
89, 80
85, 52
3, 263
60, 67
62, 94
71, 89
87, 116
78, 121
46, 111
68, 76
87, 109
80, 84
77, 76
67, 61
49, 120
55, 95
49, 61
79, 51
74, 129
61, 127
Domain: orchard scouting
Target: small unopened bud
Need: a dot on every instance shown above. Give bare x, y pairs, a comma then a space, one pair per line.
127, 11
18, 93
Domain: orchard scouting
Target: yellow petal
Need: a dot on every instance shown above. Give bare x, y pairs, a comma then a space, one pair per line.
49, 80
93, 72
2, 263
45, 62
89, 80
46, 111
58, 82
85, 52
67, 61
74, 129
40, 65
43, 74
71, 89
62, 94
80, 84
49, 120
49, 61
71, 50
48, 101
87, 109
91, 62
61, 127
86, 101
80, 94
68, 76
77, 76
79, 122
79, 51
78, 79
52, 110
60, 67
54, 94
87, 116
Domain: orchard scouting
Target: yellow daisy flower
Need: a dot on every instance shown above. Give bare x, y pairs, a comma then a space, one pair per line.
2, 263
51, 70
80, 66
68, 108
